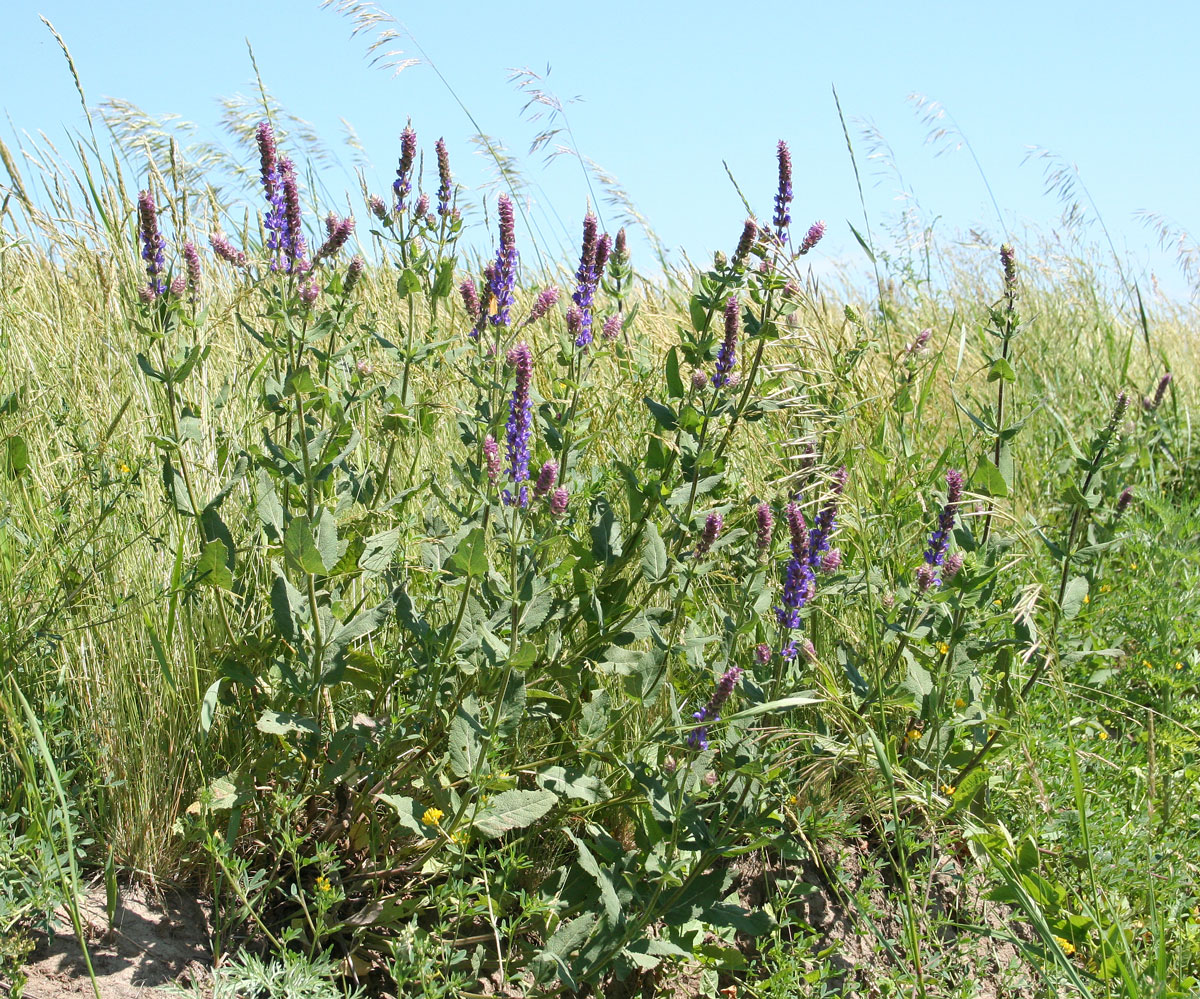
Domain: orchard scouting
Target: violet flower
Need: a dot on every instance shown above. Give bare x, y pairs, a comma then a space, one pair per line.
746, 243
766, 525
353, 273
402, 185
226, 250
783, 196
545, 480
546, 300
762, 653
191, 266
504, 273
812, 237
491, 458
712, 528
339, 231
520, 424
935, 553
826, 522
558, 501
470, 297
727, 356
586, 277
611, 328
798, 581
445, 189
710, 714
153, 245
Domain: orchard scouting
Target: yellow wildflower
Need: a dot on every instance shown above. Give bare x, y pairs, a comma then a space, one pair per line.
943, 647
432, 816
124, 469
1102, 734
1148, 664
323, 885
1105, 588
959, 703
1133, 565
1179, 665
913, 734
1087, 599
1065, 946
948, 789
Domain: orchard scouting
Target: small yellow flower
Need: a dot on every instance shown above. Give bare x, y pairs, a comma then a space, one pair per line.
913, 734
1148, 664
1065, 946
1105, 588
1102, 734
996, 602
943, 647
1133, 565
323, 885
1087, 599
124, 469
1179, 665
432, 816
948, 789
959, 703
792, 800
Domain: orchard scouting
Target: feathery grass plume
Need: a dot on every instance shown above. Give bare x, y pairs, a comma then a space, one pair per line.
370, 19
783, 195
402, 185
153, 245
930, 574
504, 272
712, 528
226, 250
710, 714
545, 480
727, 355
520, 424
812, 237
445, 189
745, 242
585, 278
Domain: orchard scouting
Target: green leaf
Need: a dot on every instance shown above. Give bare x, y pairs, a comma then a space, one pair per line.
1073, 597
1001, 369
16, 458
408, 283
176, 488
443, 284
267, 505
212, 567
782, 704
573, 783
664, 415
608, 891
654, 555
967, 789
919, 681
512, 707
377, 555
327, 540
406, 812
284, 723
470, 557
674, 381
465, 738
148, 370
989, 479
513, 810
208, 706
697, 313
300, 547
862, 242
287, 608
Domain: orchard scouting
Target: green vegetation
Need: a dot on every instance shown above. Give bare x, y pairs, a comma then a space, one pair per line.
740, 692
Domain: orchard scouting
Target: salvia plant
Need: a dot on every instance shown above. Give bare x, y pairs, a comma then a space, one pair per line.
460, 625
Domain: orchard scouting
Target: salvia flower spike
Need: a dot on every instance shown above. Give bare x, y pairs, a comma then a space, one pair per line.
812, 237
710, 714
783, 195
712, 528
586, 277
402, 185
504, 270
520, 424
930, 574
445, 189
727, 356
153, 245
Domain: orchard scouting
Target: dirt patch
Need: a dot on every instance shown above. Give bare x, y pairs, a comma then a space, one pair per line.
155, 940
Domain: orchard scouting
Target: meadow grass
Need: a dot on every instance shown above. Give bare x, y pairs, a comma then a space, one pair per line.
497, 774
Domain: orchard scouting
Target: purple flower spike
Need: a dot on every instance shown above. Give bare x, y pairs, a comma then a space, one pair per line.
445, 181
520, 421
339, 231
603, 249
766, 525
808, 651
783, 196
470, 297
826, 522
699, 380
558, 501
746, 243
831, 561
153, 245
812, 237
1124, 500
1008, 261
309, 291
620, 250
402, 185
611, 328
546, 300
504, 273
762, 653
954, 563
711, 712
191, 266
545, 480
178, 285
226, 250
712, 528
920, 342
1159, 393
798, 583
586, 278
353, 273
935, 553
491, 458
727, 356
378, 207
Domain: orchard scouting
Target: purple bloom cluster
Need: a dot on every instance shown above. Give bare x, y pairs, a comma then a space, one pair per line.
153, 245
546, 300
504, 270
338, 231
813, 236
226, 250
586, 278
558, 501
711, 712
766, 525
818, 537
354, 273
712, 528
445, 185
611, 328
798, 580
520, 424
491, 458
545, 480
727, 356
402, 185
470, 297
1160, 393
1008, 261
783, 196
191, 266
930, 574
746, 243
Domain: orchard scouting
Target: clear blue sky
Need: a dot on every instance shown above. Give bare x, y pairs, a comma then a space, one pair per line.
671, 90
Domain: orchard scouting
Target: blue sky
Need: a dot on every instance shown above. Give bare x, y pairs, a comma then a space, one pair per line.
670, 91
